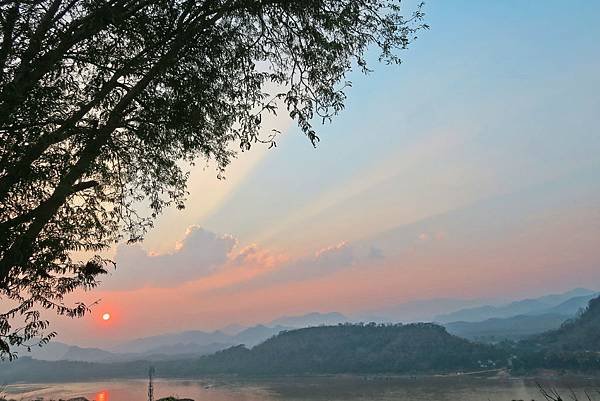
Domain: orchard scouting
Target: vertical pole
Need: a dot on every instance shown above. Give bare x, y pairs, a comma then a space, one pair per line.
150, 384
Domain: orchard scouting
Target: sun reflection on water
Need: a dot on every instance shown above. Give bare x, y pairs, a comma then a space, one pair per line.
102, 396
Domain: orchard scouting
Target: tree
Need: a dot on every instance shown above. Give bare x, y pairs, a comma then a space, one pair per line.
103, 103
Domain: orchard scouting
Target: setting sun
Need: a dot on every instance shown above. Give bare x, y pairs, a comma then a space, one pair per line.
235, 200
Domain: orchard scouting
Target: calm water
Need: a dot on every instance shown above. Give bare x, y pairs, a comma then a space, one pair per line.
312, 389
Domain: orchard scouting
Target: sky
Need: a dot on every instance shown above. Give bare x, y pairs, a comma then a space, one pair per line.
472, 170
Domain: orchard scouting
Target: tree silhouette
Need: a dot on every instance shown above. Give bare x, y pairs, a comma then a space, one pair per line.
102, 103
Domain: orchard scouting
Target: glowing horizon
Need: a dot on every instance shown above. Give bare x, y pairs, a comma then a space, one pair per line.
470, 171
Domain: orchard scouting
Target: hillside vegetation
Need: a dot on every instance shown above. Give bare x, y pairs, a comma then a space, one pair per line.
348, 348
419, 348
582, 333
575, 346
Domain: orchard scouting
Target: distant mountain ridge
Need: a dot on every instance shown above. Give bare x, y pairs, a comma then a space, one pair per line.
511, 328
567, 303
347, 348
579, 334
56, 351
310, 320
249, 336
186, 343
421, 348
574, 346
541, 314
419, 311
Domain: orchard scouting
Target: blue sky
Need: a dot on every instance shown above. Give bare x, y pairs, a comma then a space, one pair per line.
507, 91
471, 170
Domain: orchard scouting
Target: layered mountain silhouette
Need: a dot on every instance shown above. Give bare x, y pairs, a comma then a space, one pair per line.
182, 344
345, 348
566, 304
511, 321
511, 328
579, 334
573, 347
418, 348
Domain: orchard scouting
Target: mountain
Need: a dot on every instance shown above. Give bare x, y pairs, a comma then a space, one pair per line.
310, 320
557, 299
512, 328
53, 351
574, 347
152, 343
56, 351
230, 335
233, 329
566, 303
573, 305
420, 310
516, 321
365, 349
348, 348
178, 343
176, 351
75, 353
256, 335
579, 334
162, 347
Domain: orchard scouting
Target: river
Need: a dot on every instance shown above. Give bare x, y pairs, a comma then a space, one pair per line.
315, 389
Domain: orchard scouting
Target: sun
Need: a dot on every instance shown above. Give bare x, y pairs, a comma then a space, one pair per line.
106, 316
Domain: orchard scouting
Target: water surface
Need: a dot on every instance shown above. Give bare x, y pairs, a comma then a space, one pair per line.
314, 389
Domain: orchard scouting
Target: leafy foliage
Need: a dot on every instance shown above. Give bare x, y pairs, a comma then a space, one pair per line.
103, 103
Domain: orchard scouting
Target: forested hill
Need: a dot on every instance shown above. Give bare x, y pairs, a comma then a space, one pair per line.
347, 348
580, 334
575, 346
351, 348
413, 348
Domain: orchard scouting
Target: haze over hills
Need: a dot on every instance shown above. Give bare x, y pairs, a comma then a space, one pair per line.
421, 310
310, 320
194, 342
574, 346
418, 348
581, 333
186, 343
567, 303
544, 313
231, 335
148, 344
511, 328
348, 348
56, 351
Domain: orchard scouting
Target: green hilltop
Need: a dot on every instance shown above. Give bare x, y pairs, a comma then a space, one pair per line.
357, 348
